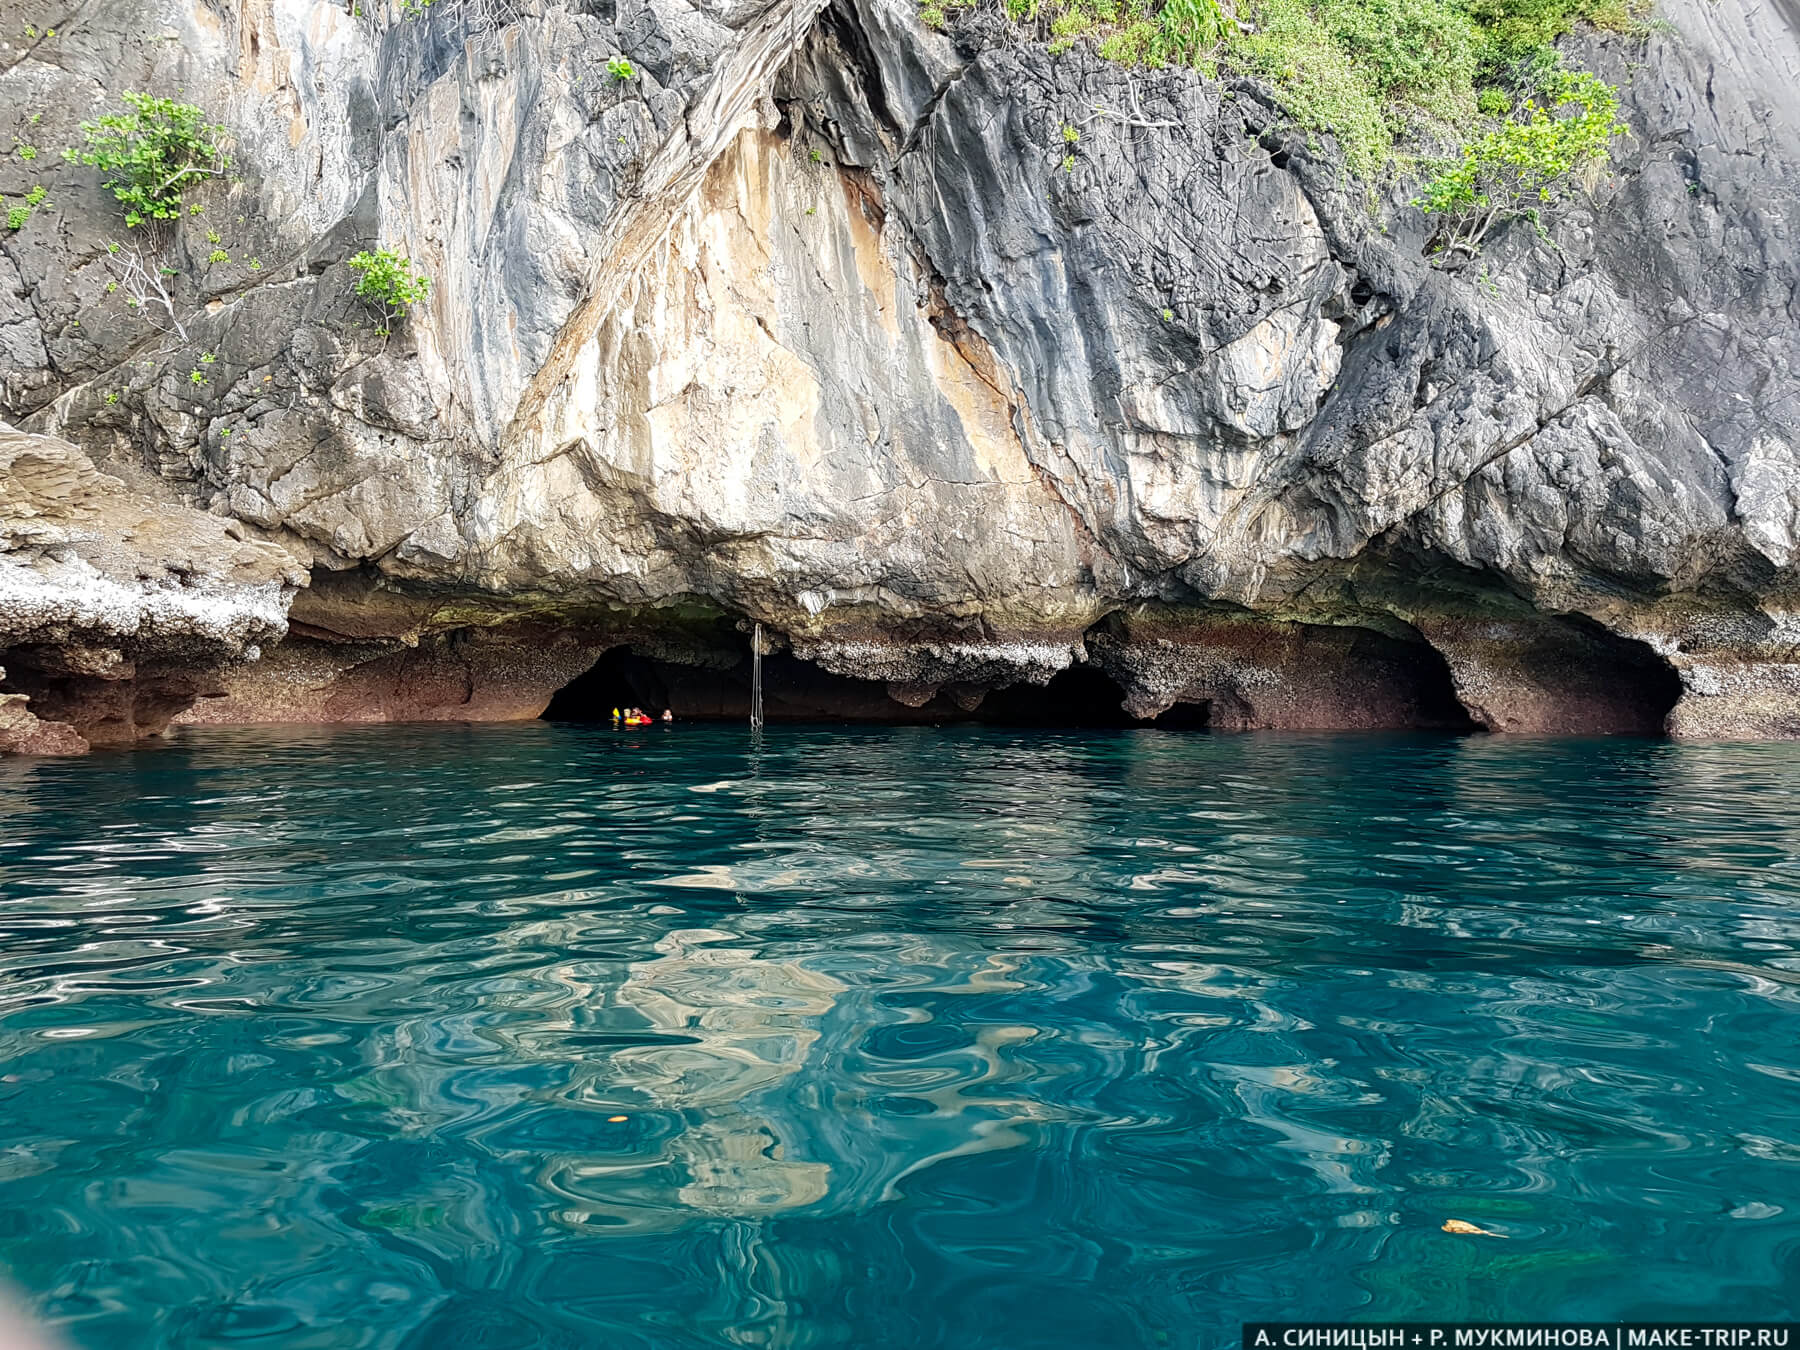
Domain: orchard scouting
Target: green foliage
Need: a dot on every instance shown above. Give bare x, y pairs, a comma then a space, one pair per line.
1364, 71
218, 255
1070, 135
152, 155
1373, 74
390, 282
19, 215
1524, 161
25, 152
1185, 31
621, 69
1519, 29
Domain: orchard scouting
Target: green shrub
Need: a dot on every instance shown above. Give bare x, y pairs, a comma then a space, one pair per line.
621, 69
1371, 73
152, 155
18, 216
1518, 29
1524, 162
1492, 102
1185, 31
390, 282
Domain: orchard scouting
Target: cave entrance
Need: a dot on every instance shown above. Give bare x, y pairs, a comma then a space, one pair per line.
1078, 696
798, 691
1612, 684
619, 679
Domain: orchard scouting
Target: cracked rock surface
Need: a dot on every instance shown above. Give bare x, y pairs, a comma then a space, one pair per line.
821, 320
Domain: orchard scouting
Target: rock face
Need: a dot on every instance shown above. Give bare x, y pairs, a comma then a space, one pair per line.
806, 322
117, 610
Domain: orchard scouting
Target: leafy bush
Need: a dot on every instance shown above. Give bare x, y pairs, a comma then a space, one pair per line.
390, 282
18, 216
1371, 73
1524, 162
152, 155
1519, 29
621, 69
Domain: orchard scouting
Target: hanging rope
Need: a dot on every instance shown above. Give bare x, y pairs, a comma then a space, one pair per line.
756, 716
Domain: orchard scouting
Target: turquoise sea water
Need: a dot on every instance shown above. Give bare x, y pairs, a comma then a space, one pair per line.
563, 1037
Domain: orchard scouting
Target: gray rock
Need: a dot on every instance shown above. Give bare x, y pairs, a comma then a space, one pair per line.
117, 610
809, 323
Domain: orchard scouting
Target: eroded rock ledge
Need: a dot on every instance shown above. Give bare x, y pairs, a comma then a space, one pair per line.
118, 610
1436, 660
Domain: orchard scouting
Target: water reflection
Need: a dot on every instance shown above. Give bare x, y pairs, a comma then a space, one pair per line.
551, 1035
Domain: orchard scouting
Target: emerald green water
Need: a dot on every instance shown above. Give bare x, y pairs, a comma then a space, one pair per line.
559, 1036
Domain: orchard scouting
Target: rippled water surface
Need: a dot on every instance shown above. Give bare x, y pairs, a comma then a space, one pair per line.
559, 1036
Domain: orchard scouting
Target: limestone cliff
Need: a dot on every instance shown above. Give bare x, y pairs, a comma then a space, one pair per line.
808, 322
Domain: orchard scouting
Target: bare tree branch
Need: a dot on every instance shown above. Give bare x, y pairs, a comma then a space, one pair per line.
140, 272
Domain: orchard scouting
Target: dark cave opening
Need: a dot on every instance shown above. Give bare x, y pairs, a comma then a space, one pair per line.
1611, 684
619, 679
1080, 696
1558, 677
798, 691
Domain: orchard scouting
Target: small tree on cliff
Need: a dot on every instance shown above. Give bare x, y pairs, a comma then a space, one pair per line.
151, 158
153, 155
390, 283
1528, 160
